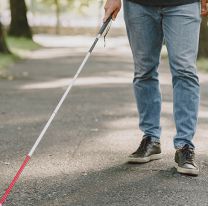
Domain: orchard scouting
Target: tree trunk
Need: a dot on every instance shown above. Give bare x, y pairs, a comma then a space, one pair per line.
19, 26
203, 43
3, 46
57, 3
100, 12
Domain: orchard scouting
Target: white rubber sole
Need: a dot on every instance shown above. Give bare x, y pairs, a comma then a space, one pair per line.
185, 171
145, 159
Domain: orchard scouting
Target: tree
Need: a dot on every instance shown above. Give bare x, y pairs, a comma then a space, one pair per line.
57, 3
203, 43
60, 6
19, 26
3, 46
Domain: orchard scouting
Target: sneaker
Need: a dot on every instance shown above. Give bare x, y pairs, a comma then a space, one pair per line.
185, 161
147, 151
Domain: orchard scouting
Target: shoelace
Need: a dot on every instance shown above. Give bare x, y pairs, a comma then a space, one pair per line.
188, 153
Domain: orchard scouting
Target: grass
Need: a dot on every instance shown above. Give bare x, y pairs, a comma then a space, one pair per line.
19, 47
203, 64
7, 59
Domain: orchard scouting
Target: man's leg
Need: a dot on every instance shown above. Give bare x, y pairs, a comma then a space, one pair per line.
145, 35
181, 32
181, 27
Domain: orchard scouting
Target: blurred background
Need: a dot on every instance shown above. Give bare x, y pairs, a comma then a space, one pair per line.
28, 24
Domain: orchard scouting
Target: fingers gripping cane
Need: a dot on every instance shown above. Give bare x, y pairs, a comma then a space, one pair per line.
29, 155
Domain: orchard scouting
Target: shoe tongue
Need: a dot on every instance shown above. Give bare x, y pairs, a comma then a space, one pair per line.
148, 138
145, 141
186, 146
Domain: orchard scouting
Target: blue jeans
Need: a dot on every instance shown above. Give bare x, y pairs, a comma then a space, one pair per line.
147, 28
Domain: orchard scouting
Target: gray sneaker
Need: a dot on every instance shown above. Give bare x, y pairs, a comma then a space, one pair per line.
185, 161
147, 151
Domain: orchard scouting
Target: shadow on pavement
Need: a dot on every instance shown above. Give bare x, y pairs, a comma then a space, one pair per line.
81, 160
123, 184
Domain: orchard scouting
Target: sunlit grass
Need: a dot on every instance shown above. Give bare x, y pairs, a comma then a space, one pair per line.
7, 59
20, 48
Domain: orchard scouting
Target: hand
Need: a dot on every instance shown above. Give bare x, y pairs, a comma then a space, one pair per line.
204, 7
112, 7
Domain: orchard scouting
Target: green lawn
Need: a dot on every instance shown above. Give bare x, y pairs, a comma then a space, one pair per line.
20, 47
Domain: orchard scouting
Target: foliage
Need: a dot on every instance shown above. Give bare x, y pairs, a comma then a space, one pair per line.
65, 5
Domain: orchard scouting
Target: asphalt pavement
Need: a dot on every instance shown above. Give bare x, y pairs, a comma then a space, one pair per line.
82, 160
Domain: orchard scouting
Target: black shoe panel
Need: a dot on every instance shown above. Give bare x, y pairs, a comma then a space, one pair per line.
147, 148
185, 159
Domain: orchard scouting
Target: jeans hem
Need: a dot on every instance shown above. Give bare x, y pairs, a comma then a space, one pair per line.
153, 138
180, 146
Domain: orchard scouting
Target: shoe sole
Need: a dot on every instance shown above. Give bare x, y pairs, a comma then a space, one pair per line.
181, 170
145, 159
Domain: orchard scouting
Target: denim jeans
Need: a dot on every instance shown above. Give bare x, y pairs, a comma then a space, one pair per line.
147, 28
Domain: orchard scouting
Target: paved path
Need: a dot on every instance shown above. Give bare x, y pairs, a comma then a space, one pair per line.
82, 159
